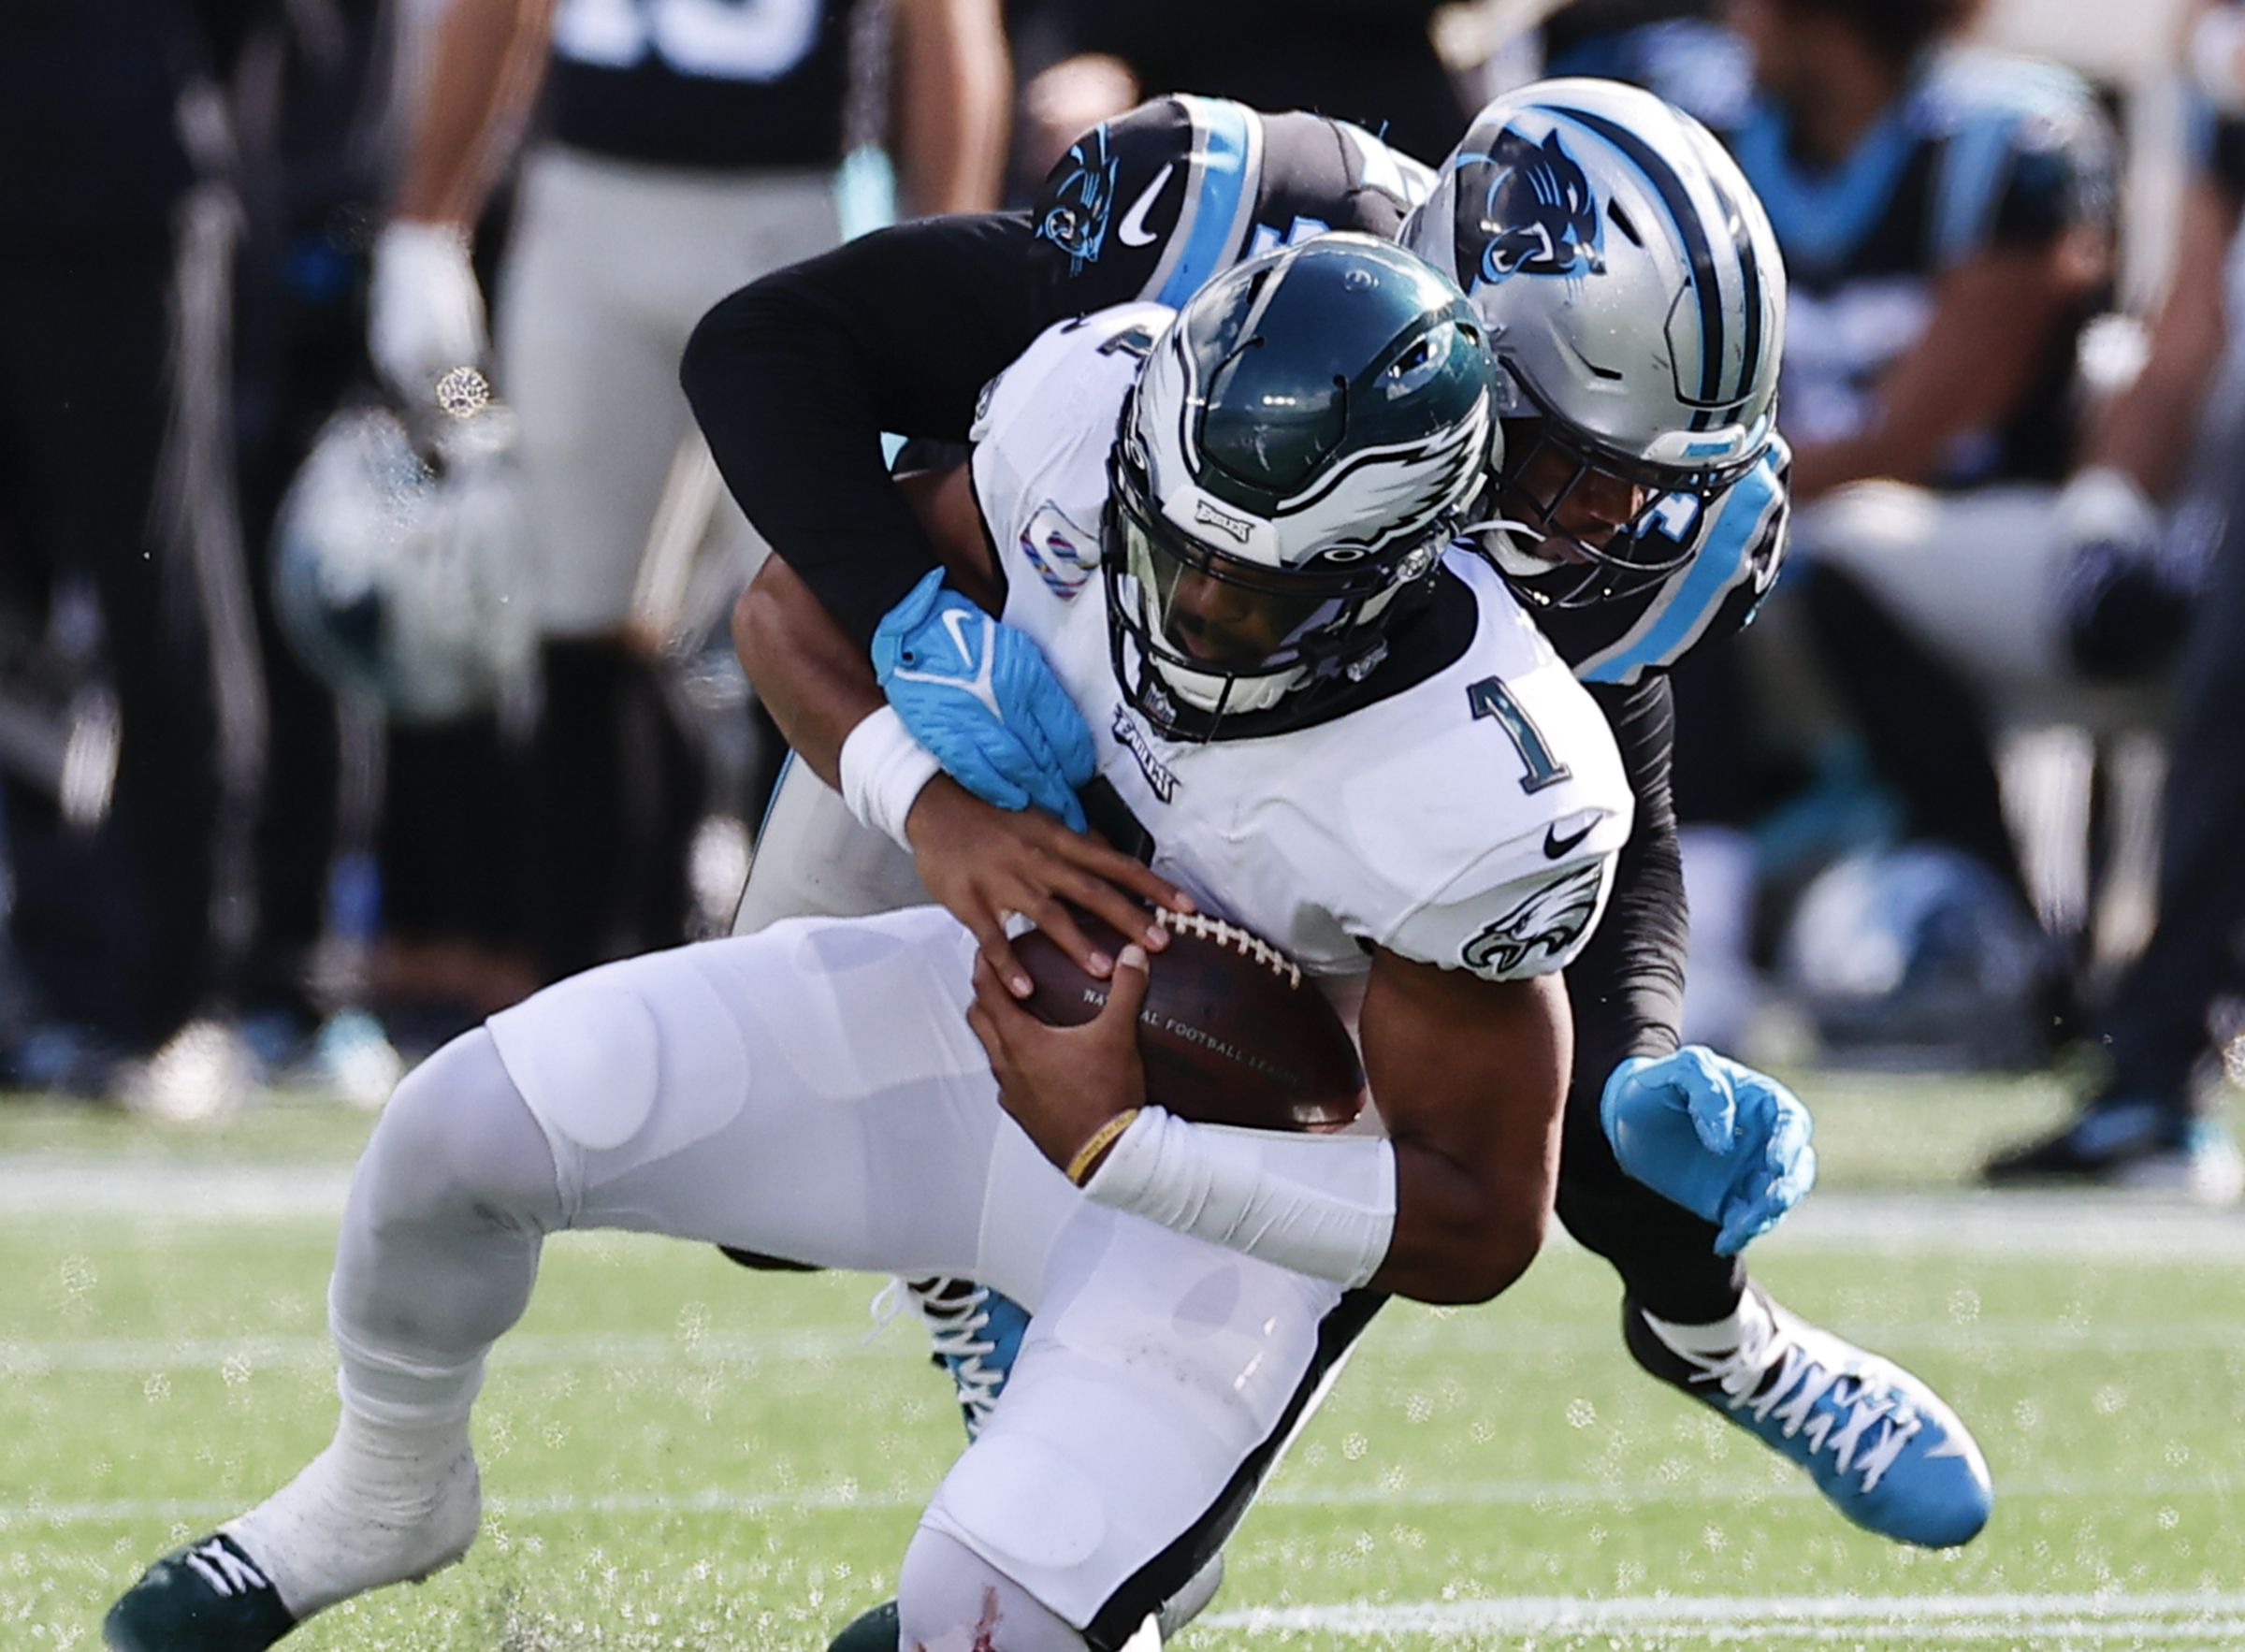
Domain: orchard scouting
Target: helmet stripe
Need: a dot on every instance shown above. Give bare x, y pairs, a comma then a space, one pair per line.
1689, 230
1742, 239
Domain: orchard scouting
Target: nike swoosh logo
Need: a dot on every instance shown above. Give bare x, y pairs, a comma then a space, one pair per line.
1132, 231
1555, 848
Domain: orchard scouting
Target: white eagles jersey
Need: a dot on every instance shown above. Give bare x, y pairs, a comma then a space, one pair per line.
1469, 820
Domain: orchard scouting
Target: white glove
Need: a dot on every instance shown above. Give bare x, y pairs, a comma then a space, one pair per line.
424, 312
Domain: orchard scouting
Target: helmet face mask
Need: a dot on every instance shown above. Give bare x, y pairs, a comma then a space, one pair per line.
1287, 472
1572, 525
1199, 636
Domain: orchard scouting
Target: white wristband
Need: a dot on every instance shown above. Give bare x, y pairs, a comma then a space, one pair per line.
1321, 1204
2217, 45
884, 770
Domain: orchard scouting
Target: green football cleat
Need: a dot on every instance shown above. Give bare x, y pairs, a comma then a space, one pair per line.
870, 1631
208, 1597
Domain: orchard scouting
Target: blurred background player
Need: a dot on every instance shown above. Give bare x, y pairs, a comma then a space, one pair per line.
1945, 216
118, 549
2133, 589
684, 148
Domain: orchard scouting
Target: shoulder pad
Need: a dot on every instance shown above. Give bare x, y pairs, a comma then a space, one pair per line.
1510, 777
1041, 435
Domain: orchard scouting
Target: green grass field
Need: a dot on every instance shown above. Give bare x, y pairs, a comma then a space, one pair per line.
678, 1454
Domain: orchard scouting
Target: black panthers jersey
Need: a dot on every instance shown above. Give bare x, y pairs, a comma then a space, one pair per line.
700, 83
913, 321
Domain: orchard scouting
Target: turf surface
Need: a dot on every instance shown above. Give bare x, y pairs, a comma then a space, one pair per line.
682, 1456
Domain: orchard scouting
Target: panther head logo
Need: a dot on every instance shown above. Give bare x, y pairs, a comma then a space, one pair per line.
1529, 209
1082, 198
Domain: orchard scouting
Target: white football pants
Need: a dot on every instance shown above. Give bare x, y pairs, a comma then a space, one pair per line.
1974, 576
813, 860
612, 262
813, 1092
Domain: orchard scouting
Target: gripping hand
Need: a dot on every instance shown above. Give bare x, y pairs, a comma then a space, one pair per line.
1728, 1144
981, 697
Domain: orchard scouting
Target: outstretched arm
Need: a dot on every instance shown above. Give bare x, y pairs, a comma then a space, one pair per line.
489, 59
952, 91
425, 311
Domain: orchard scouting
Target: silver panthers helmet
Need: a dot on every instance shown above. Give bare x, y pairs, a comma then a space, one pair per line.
398, 563
1635, 300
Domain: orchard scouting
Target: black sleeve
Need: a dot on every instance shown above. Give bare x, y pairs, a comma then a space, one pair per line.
1628, 986
795, 377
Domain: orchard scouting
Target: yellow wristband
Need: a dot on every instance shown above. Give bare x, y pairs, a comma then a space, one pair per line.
1079, 1167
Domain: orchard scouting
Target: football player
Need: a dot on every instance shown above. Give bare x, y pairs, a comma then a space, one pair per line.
1602, 236
2131, 588
685, 147
1946, 213
1343, 732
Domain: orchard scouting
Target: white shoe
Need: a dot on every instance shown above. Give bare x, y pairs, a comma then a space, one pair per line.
360, 1515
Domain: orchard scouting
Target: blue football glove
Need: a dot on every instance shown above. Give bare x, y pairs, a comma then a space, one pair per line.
981, 697
1728, 1144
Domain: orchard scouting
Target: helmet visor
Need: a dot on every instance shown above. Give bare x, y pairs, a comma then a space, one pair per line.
1209, 611
1217, 634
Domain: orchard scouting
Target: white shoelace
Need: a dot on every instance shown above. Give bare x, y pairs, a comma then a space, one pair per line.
955, 1333
1791, 1398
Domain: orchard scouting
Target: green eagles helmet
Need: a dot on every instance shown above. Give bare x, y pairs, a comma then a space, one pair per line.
1291, 464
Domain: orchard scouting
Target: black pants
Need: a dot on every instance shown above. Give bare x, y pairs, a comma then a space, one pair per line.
615, 791
2157, 1025
297, 356
114, 932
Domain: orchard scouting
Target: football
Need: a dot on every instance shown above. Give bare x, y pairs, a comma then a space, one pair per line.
1230, 1033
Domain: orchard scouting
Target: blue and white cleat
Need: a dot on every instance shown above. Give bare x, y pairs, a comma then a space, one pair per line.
1881, 1445
976, 1334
